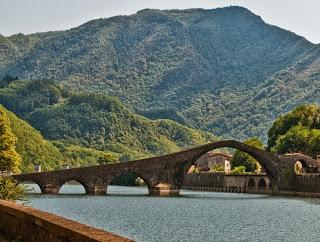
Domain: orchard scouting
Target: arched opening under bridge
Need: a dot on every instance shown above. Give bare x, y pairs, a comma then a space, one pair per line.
128, 183
300, 167
251, 185
73, 187
32, 187
262, 184
263, 159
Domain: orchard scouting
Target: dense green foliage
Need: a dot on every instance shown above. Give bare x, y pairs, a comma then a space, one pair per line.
76, 156
297, 131
12, 191
23, 97
9, 158
101, 122
242, 159
222, 70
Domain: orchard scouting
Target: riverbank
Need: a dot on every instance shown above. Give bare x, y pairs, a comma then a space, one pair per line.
307, 184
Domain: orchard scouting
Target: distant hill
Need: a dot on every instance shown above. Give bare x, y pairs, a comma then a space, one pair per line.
222, 70
95, 121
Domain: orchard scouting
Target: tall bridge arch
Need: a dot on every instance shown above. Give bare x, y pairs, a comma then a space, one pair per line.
165, 174
264, 158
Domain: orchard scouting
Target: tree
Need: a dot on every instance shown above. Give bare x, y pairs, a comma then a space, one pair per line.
294, 140
299, 139
313, 148
241, 158
9, 158
307, 116
297, 131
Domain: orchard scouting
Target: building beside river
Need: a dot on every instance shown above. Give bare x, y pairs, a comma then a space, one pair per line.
211, 160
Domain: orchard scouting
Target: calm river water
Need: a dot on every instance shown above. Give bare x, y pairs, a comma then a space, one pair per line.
194, 216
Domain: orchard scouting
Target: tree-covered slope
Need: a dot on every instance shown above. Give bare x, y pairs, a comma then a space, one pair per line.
32, 147
255, 109
103, 123
203, 68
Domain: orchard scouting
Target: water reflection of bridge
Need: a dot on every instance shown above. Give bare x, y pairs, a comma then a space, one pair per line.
164, 175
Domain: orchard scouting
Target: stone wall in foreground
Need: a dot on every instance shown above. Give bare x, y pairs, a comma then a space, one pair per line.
28, 224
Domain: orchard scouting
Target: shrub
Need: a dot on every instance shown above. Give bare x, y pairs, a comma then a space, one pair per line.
239, 170
11, 190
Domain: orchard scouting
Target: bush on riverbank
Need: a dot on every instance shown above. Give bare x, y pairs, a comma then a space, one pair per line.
11, 190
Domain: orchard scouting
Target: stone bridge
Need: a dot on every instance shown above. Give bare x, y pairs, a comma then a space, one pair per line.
164, 175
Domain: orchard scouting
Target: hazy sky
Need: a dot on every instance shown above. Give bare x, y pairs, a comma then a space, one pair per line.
29, 16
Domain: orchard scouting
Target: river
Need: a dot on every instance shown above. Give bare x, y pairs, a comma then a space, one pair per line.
194, 216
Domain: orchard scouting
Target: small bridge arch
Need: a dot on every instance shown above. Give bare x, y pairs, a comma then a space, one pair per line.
251, 186
30, 182
262, 184
118, 174
77, 180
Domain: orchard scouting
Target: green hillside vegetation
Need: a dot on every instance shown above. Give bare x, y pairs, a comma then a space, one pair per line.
221, 70
103, 123
76, 156
32, 147
22, 97
88, 124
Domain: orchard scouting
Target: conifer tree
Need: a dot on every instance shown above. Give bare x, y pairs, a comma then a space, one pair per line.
9, 158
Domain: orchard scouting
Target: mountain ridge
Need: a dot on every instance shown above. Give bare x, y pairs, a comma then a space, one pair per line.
199, 66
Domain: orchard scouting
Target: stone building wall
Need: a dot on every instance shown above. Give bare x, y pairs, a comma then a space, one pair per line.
211, 159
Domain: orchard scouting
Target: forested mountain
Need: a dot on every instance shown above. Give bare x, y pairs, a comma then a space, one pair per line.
94, 121
222, 70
